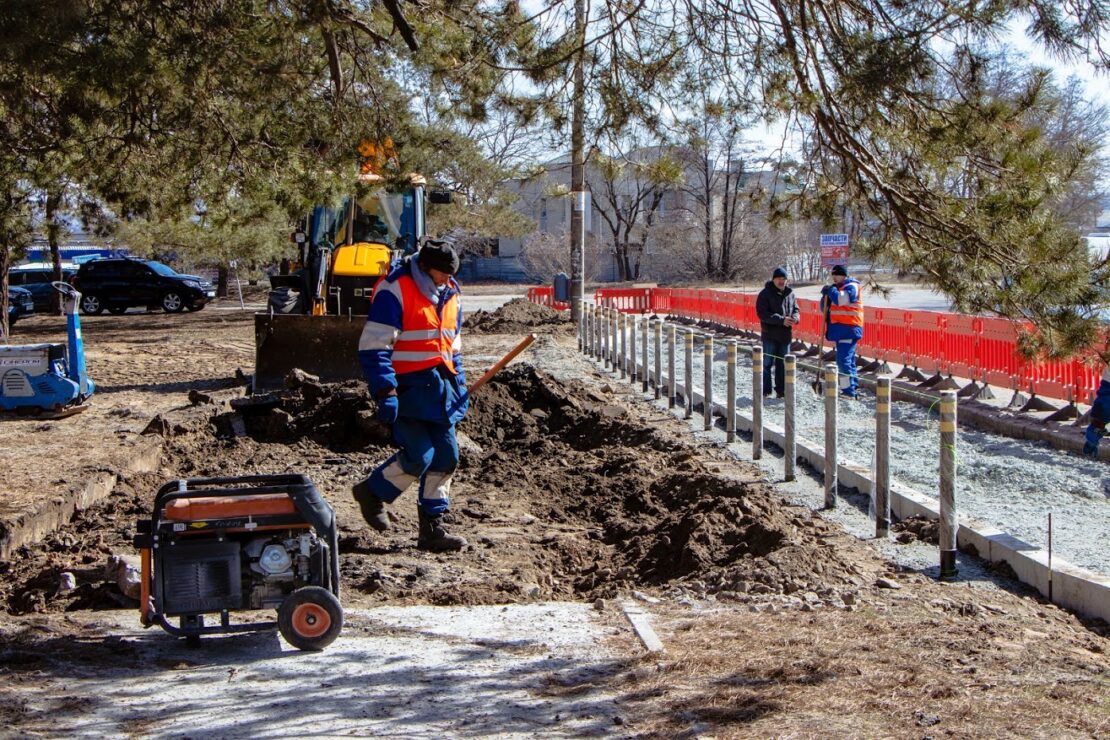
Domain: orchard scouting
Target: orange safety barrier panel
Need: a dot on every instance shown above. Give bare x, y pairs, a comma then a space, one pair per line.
998, 359
545, 296
812, 326
961, 346
625, 300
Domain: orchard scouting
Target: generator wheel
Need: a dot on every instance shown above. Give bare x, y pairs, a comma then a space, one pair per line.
310, 618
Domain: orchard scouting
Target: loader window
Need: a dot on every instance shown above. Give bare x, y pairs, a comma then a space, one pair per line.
381, 212
380, 217
369, 227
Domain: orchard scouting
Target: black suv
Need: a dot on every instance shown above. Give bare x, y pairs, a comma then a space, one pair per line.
20, 304
118, 284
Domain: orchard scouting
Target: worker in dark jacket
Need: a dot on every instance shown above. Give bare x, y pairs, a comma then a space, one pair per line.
409, 352
1099, 416
777, 308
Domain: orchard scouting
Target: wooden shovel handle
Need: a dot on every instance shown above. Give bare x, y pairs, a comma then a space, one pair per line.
502, 363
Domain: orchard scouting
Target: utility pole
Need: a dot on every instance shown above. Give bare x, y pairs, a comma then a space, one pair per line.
581, 199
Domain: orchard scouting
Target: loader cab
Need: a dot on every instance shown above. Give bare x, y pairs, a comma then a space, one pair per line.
346, 249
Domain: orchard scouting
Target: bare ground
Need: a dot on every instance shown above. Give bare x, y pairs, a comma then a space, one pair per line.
775, 622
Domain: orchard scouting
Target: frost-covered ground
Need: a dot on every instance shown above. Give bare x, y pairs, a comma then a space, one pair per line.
1010, 483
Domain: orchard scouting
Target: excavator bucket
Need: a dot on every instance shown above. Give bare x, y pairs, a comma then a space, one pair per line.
326, 346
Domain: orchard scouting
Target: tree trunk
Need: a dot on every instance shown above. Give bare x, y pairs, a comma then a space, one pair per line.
5, 265
707, 182
221, 281
53, 238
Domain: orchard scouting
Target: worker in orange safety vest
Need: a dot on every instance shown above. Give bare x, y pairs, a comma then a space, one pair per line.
842, 304
410, 356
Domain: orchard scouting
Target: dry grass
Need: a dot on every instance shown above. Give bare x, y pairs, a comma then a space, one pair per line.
891, 669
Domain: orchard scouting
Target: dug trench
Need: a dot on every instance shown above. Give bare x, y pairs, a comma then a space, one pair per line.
562, 494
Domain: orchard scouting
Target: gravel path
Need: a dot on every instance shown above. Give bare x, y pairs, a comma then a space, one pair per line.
1010, 483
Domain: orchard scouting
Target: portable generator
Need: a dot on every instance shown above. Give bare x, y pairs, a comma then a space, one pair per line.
216, 545
49, 379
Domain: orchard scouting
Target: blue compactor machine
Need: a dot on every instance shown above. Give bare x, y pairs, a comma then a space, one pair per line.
47, 380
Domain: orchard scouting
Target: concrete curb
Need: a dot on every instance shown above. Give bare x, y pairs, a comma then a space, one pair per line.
56, 512
1066, 585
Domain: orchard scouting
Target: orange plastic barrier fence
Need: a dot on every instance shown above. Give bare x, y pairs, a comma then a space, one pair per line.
546, 297
625, 300
977, 348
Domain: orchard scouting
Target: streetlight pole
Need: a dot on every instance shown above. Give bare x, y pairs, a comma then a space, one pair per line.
581, 199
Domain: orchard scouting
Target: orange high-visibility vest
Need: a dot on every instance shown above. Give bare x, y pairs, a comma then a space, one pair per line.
426, 339
851, 315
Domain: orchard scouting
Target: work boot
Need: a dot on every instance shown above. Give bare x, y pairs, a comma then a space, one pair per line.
434, 537
373, 508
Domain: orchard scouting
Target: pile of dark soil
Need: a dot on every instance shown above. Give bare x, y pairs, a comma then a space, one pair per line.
518, 316
915, 528
651, 513
557, 498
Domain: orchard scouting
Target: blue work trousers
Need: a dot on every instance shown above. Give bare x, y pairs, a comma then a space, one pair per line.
429, 453
846, 365
773, 358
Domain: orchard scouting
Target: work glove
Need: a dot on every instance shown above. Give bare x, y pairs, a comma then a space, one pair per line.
387, 409
462, 403
1093, 435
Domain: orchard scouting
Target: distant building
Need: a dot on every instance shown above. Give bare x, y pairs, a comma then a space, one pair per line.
77, 247
544, 198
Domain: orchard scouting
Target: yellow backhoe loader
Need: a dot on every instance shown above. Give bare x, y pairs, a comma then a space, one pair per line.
317, 310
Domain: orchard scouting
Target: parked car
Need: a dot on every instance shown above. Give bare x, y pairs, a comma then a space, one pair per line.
37, 277
117, 284
20, 304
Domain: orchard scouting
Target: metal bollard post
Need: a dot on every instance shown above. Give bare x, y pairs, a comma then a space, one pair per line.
599, 332
707, 394
588, 327
790, 454
644, 355
757, 402
730, 411
688, 393
672, 383
613, 330
623, 359
606, 337
948, 523
831, 388
616, 339
603, 334
882, 457
581, 328
595, 315
658, 324
633, 329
